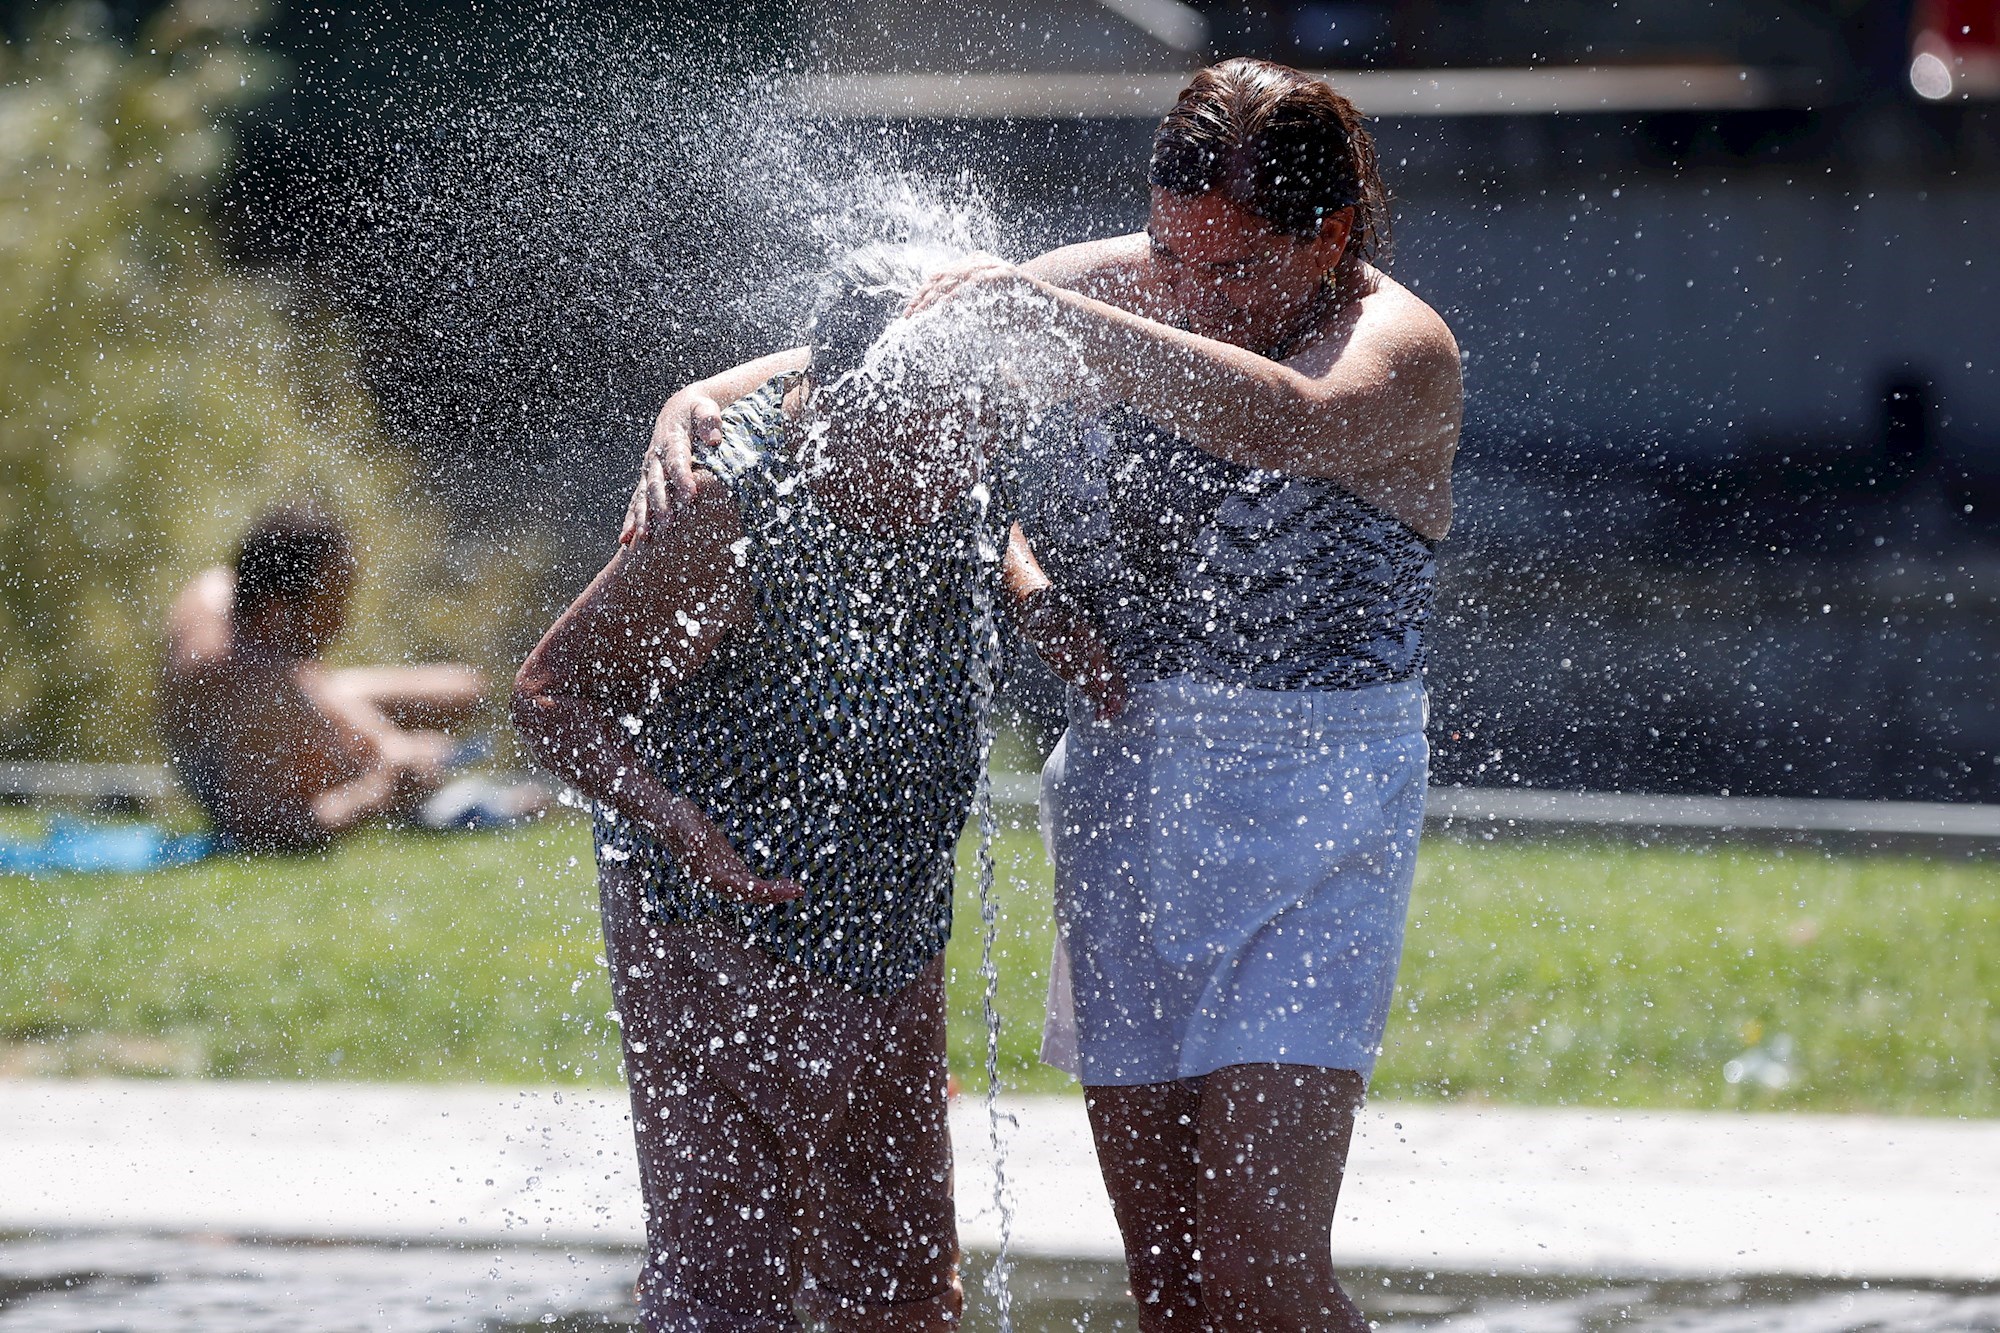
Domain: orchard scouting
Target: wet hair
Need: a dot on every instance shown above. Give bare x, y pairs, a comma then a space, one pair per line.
859, 298
290, 554
1278, 143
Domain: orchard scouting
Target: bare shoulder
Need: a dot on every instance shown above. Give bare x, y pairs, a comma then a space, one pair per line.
208, 594
198, 627
1091, 266
714, 519
1397, 322
1388, 339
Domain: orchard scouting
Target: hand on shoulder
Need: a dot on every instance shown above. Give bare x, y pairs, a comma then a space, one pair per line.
689, 420
702, 529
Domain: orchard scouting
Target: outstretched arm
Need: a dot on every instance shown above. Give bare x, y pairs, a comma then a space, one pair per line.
666, 476
384, 787
644, 625
1373, 404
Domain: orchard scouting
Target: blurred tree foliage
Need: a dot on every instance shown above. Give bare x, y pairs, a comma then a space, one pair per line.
152, 400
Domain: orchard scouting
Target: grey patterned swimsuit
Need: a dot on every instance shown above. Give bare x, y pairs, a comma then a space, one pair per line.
835, 740
1200, 567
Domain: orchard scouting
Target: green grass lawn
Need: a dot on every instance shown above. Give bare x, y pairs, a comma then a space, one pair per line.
1535, 972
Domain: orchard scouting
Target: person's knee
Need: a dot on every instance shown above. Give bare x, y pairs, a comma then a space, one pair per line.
1266, 1282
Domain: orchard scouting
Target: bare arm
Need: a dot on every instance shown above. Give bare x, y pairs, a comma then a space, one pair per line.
274, 813
645, 624
1374, 403
1062, 633
1383, 398
378, 790
431, 695
695, 413
370, 734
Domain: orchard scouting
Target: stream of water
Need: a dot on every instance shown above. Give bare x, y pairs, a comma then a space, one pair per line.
997, 1286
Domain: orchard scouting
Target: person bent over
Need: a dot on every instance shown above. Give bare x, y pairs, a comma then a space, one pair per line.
776, 703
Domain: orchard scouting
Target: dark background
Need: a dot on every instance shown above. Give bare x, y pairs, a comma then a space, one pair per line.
1730, 482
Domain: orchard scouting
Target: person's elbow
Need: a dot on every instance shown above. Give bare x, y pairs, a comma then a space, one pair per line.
533, 706
551, 712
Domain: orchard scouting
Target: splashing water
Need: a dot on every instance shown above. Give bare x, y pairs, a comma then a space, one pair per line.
944, 221
951, 216
954, 349
651, 225
984, 345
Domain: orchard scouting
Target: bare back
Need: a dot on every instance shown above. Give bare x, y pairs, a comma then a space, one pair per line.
245, 727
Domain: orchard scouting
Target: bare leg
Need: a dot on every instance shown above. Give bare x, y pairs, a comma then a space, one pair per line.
1147, 1150
759, 1163
435, 696
721, 1245
879, 1200
1274, 1142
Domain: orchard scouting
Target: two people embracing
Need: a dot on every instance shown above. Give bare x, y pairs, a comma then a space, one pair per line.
1214, 513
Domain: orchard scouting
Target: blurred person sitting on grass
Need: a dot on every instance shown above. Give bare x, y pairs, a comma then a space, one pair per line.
287, 754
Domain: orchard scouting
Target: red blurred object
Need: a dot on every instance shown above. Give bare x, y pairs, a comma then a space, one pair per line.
1955, 49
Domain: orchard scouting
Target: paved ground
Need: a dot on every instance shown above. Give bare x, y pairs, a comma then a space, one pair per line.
1455, 1189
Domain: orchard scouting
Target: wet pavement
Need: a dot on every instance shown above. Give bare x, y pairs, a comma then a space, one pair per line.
214, 1284
152, 1284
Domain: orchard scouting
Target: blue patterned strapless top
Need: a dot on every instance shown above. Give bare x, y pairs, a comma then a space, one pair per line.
1197, 566
836, 740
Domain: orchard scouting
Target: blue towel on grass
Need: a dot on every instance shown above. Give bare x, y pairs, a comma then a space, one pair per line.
75, 845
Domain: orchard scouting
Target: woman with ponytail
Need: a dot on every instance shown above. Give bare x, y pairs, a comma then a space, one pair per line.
1246, 494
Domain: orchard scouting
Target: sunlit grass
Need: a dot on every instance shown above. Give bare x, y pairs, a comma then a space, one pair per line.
396, 956
1548, 973
1629, 976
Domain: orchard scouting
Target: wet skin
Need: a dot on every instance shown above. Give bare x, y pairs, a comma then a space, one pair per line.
1179, 323
1225, 1186
1269, 350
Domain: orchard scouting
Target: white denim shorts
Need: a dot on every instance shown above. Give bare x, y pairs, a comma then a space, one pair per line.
1233, 870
